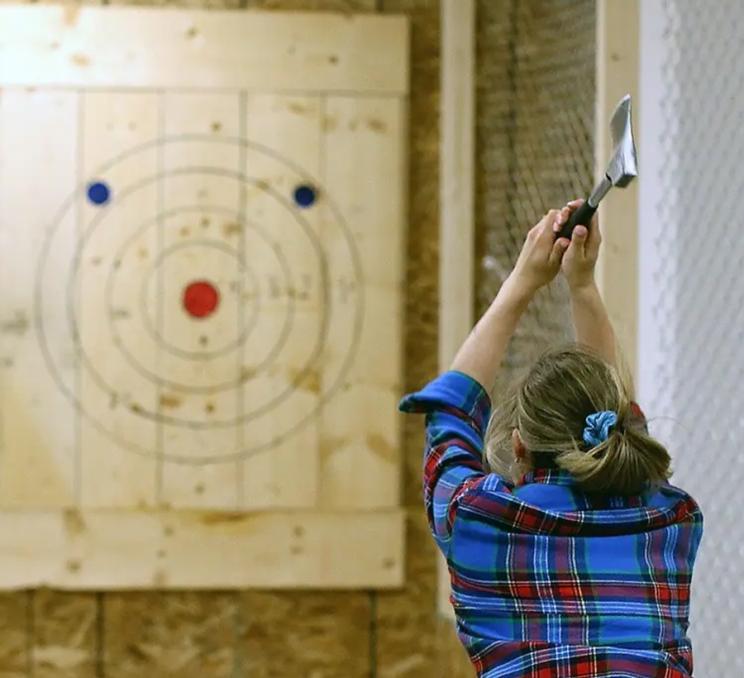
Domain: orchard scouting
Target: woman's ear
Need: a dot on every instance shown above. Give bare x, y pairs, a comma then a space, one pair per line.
520, 451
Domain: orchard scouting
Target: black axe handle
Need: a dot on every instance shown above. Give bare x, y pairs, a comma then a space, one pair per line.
581, 217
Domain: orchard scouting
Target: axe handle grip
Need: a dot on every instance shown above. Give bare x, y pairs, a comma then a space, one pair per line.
581, 217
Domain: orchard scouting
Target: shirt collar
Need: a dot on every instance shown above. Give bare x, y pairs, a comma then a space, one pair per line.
551, 476
548, 476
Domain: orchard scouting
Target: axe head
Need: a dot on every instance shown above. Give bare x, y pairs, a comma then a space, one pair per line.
623, 167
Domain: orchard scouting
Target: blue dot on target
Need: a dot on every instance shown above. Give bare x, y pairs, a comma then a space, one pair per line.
99, 192
305, 195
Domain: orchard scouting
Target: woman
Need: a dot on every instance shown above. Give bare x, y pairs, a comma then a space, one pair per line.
581, 563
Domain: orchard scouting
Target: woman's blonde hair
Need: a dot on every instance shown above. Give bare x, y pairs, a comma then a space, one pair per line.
549, 407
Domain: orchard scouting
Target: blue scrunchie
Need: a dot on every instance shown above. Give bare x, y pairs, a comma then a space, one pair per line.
598, 426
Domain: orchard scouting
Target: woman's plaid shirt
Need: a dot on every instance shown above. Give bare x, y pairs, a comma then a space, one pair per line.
546, 580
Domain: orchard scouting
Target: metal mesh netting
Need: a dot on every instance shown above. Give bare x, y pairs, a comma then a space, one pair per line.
535, 144
692, 290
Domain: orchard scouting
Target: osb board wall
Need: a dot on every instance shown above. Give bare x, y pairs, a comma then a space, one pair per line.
48, 634
535, 144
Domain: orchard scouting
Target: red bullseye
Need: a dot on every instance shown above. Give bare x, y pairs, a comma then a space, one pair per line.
200, 299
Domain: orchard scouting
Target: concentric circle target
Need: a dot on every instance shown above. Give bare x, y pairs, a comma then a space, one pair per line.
200, 298
247, 287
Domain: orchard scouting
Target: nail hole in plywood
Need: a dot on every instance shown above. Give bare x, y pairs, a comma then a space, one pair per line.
307, 380
381, 447
74, 523
81, 60
170, 401
376, 125
297, 107
221, 517
232, 228
247, 373
329, 445
71, 13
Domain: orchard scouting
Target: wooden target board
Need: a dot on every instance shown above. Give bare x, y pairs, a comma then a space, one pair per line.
201, 242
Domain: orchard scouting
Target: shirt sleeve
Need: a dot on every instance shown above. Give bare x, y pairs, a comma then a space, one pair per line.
457, 411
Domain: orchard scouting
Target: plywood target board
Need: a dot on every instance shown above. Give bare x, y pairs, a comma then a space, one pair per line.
201, 241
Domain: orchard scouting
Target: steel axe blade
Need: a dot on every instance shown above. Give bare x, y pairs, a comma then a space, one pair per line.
621, 170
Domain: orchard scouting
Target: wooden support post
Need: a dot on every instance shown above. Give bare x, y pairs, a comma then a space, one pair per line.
617, 74
457, 224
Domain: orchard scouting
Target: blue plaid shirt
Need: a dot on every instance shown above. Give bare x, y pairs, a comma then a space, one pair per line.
547, 580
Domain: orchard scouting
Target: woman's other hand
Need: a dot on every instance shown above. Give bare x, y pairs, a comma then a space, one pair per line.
540, 258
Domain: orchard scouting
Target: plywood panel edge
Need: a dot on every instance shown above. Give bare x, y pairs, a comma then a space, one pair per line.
457, 196
618, 56
119, 549
68, 46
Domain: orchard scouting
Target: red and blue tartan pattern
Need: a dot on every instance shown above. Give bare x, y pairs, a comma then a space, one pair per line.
547, 580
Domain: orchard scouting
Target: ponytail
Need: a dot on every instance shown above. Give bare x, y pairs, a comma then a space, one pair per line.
575, 412
625, 463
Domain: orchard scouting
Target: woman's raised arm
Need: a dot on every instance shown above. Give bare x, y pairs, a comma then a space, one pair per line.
481, 354
591, 321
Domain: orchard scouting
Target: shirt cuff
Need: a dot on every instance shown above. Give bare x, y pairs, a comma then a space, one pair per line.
451, 390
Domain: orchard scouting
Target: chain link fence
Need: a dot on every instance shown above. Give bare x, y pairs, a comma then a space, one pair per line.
535, 149
535, 145
692, 290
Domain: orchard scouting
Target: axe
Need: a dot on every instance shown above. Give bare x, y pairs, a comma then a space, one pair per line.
621, 170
